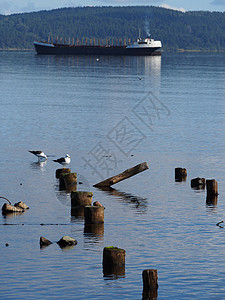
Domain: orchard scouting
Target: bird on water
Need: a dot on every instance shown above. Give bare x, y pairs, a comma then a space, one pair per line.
40, 155
63, 160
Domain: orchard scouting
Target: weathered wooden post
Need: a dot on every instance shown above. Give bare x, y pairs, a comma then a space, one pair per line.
212, 192
180, 174
150, 284
57, 40
90, 42
128, 41
86, 41
124, 42
94, 41
73, 41
77, 41
113, 261
211, 187
60, 40
58, 172
116, 42
68, 181
68, 40
81, 198
198, 183
93, 214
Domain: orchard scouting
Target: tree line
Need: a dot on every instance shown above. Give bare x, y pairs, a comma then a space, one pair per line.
194, 30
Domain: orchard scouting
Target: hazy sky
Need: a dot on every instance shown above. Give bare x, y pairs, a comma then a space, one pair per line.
17, 6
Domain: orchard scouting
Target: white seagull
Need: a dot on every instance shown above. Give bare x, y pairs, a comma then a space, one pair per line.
63, 160
39, 154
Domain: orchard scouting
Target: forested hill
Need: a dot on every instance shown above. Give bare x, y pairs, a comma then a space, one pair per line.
200, 30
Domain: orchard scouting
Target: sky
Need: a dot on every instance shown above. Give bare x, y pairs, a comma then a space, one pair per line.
20, 6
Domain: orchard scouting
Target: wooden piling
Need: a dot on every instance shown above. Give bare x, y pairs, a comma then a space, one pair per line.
93, 214
61, 171
68, 181
180, 174
211, 187
198, 183
150, 284
81, 198
113, 261
124, 175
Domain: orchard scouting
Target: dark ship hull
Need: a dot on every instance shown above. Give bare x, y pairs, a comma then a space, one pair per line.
62, 49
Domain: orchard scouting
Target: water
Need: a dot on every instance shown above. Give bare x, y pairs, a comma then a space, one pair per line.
111, 114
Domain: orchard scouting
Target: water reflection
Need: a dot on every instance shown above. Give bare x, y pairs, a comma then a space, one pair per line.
211, 201
94, 231
77, 213
138, 203
113, 272
38, 165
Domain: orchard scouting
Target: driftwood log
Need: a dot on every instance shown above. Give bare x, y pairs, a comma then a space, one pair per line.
124, 175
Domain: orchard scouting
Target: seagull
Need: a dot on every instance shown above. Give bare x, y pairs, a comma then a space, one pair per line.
39, 154
63, 160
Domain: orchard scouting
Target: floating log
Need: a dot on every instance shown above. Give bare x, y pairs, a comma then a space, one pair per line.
94, 214
124, 175
212, 188
150, 284
44, 242
66, 241
58, 172
68, 181
180, 174
81, 198
198, 183
113, 261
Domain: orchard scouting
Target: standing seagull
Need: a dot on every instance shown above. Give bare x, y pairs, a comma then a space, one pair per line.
39, 154
63, 160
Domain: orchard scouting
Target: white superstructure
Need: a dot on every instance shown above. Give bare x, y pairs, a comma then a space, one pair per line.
146, 43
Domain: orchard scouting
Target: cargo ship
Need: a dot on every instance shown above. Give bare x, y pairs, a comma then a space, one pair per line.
143, 46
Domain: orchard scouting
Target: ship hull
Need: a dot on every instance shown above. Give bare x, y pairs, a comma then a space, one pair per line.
61, 49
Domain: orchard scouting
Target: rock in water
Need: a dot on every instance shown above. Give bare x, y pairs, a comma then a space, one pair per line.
97, 203
66, 241
21, 205
6, 208
44, 242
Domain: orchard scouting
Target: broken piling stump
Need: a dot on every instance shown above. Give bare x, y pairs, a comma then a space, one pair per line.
198, 183
150, 284
211, 187
180, 174
81, 198
124, 175
93, 214
58, 172
113, 261
68, 181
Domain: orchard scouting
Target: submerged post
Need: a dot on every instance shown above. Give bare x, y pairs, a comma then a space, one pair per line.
124, 175
94, 214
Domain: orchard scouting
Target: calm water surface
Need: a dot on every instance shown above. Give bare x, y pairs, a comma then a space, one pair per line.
110, 114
